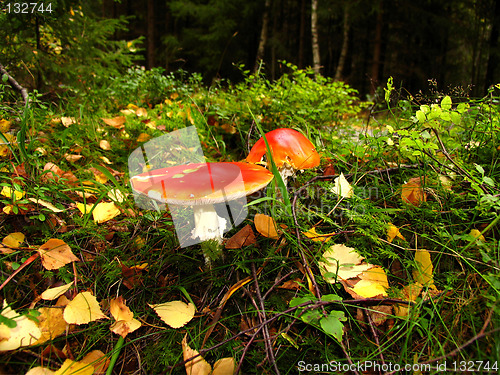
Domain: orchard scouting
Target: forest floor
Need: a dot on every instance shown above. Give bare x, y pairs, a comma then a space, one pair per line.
385, 255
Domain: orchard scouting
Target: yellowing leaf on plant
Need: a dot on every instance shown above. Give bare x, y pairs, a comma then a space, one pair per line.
56, 253
393, 232
175, 313
53, 293
372, 283
105, 211
115, 122
413, 193
70, 367
51, 323
318, 237
342, 261
83, 309
477, 234
266, 226
9, 192
198, 365
423, 273
342, 187
13, 240
25, 333
105, 145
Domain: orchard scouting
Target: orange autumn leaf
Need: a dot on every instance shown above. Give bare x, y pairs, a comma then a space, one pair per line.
266, 226
55, 254
413, 193
116, 122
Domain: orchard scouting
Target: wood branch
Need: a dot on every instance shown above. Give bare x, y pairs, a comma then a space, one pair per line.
16, 85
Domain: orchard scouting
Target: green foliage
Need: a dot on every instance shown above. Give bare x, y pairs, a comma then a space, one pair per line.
71, 47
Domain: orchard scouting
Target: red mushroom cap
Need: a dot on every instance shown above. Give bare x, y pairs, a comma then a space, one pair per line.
201, 183
287, 146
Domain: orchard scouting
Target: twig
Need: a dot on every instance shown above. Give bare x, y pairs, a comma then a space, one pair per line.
26, 263
262, 317
374, 334
16, 85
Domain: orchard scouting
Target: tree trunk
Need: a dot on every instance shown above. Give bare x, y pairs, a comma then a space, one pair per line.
494, 53
151, 34
302, 32
314, 33
263, 36
345, 45
377, 48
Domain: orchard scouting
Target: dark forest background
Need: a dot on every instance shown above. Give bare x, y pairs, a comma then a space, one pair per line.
362, 42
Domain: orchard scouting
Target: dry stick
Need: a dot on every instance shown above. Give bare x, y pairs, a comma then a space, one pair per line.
16, 85
374, 334
262, 317
306, 305
27, 262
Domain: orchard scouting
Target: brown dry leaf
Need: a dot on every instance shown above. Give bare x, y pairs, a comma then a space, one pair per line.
51, 323
53, 293
83, 309
13, 240
116, 122
423, 273
318, 237
132, 275
197, 366
26, 331
413, 193
175, 313
70, 367
342, 261
55, 254
105, 145
244, 237
98, 360
266, 226
393, 232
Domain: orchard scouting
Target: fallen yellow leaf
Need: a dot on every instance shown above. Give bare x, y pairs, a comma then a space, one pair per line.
98, 360
115, 122
477, 234
393, 232
342, 261
56, 253
105, 211
70, 367
105, 145
4, 125
13, 240
25, 333
342, 187
53, 293
9, 192
318, 237
83, 309
175, 313
51, 323
373, 283
423, 273
198, 365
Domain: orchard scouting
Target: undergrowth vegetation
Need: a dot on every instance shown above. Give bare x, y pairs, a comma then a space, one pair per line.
423, 210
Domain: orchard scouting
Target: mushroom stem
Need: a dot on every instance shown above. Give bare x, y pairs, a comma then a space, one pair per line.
207, 224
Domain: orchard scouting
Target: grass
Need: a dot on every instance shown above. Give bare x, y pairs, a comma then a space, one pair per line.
263, 319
